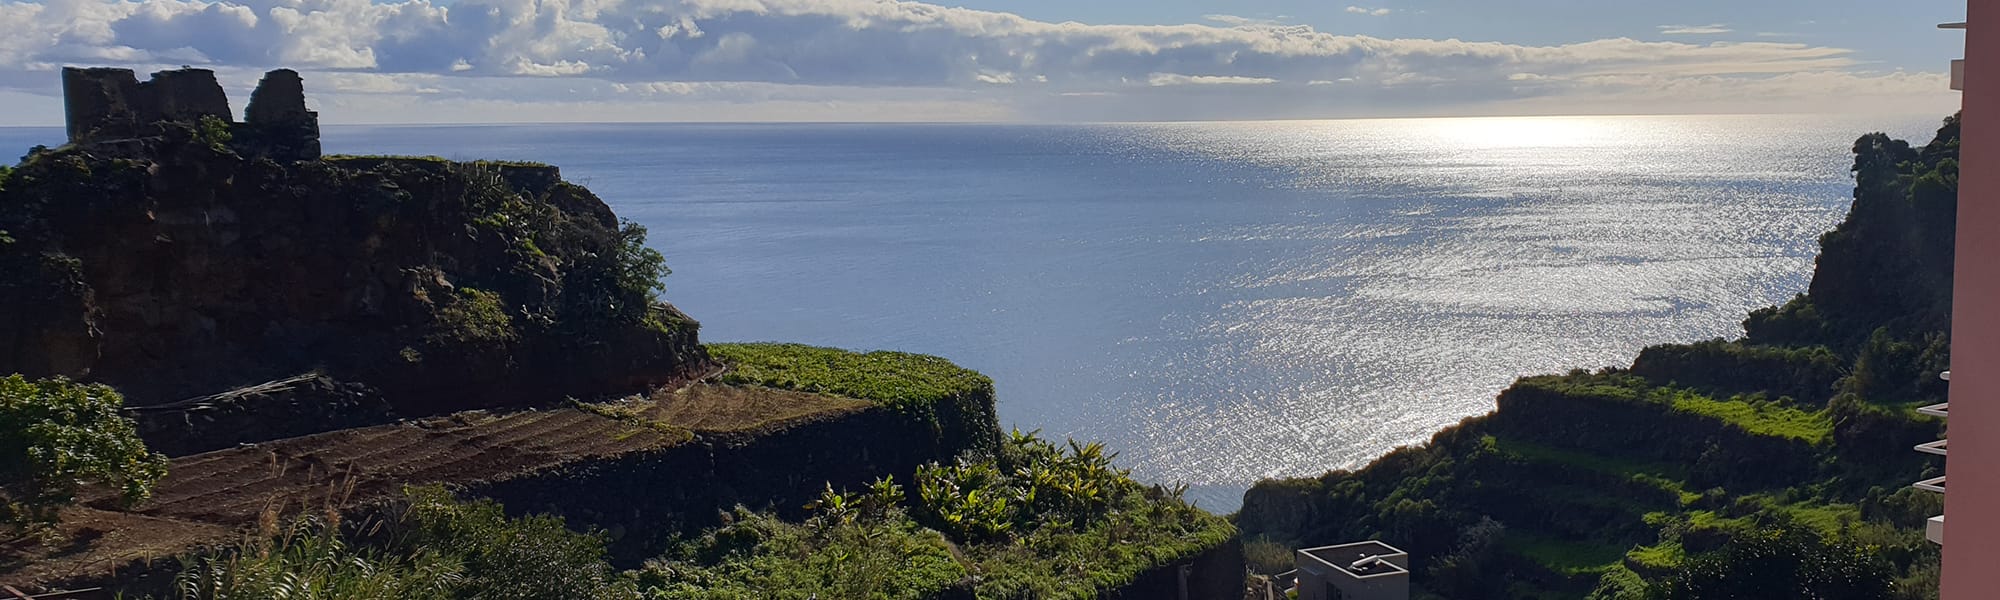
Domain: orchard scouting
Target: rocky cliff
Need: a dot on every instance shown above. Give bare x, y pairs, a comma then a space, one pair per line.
174, 254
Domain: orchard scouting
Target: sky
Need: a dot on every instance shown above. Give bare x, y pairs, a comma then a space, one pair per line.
468, 61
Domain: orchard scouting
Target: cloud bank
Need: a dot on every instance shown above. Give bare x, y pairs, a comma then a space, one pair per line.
1711, 29
525, 60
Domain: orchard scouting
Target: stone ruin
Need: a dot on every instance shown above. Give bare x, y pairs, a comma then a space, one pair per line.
107, 106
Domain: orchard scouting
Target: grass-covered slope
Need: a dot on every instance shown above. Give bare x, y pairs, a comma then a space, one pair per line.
1776, 466
957, 401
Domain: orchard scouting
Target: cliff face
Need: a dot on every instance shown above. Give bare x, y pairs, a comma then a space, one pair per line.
170, 265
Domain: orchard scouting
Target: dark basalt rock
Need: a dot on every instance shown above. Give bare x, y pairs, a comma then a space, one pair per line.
175, 263
277, 124
111, 104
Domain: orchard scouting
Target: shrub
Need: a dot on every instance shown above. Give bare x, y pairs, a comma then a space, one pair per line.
1779, 562
1266, 556
471, 317
639, 269
855, 546
529, 558
1018, 541
1729, 368
214, 132
311, 562
431, 546
56, 435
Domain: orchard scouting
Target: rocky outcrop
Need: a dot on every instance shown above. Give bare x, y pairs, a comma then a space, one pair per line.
179, 263
277, 124
103, 103
280, 409
110, 108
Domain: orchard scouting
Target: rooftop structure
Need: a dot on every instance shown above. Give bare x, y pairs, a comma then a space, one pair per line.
1369, 570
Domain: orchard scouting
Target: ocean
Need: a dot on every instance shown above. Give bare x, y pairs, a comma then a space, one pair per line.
1217, 302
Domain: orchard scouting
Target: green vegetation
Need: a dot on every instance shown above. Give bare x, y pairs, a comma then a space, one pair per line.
1569, 557
1778, 563
471, 317
429, 158
1603, 463
430, 546
1661, 557
308, 561
1775, 466
1032, 521
908, 382
213, 132
1760, 417
56, 436
1075, 528
858, 546
1267, 557
634, 414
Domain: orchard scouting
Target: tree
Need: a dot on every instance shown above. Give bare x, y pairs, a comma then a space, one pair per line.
57, 436
1780, 563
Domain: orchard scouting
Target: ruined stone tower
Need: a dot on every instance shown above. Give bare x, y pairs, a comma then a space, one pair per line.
105, 105
277, 124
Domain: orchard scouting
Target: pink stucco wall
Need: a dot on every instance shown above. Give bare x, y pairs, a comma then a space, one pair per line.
1972, 502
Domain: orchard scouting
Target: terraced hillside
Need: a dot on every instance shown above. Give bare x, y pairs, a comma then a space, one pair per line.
1776, 465
213, 497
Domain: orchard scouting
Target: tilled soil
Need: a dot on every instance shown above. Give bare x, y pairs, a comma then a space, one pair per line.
216, 497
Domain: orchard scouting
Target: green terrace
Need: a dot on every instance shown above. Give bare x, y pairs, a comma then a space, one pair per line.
899, 380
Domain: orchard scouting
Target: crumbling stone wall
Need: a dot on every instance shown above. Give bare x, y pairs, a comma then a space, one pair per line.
107, 105
276, 124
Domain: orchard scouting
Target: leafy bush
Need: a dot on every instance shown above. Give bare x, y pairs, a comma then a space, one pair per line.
1727, 368
639, 269
469, 318
1020, 539
429, 546
214, 132
312, 562
1778, 563
1031, 482
528, 558
57, 435
855, 546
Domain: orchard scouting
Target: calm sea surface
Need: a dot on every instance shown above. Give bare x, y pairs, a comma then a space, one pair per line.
1218, 302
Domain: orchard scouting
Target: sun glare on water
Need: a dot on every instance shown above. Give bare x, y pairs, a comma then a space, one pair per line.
1519, 132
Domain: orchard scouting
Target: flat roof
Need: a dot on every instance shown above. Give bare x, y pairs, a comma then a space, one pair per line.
1349, 558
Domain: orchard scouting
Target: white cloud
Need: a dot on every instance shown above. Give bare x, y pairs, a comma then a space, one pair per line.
483, 56
1710, 29
1161, 79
